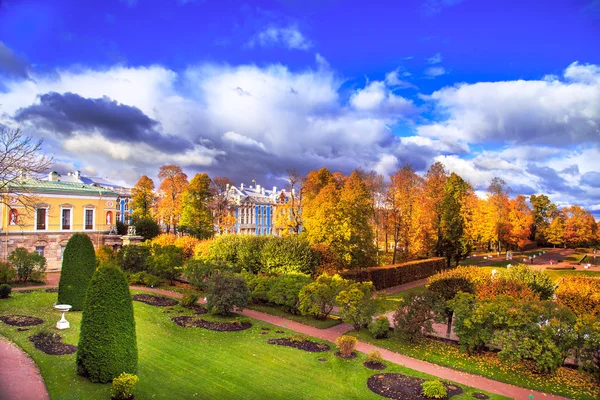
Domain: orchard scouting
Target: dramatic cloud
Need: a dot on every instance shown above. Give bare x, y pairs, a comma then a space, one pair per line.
557, 113
289, 37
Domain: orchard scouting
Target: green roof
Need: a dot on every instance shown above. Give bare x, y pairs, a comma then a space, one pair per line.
42, 186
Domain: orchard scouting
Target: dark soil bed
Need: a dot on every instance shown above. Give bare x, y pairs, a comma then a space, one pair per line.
158, 301
52, 290
376, 365
20, 320
51, 343
198, 309
350, 357
306, 345
193, 322
480, 396
402, 387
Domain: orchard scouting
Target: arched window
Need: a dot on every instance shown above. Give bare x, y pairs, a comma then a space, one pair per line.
13, 216
109, 218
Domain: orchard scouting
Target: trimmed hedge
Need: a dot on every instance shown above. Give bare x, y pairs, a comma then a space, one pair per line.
78, 266
397, 274
107, 345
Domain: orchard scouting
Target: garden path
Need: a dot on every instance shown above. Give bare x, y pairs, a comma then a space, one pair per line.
20, 379
332, 333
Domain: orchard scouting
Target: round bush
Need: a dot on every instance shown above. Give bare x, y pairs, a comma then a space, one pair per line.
5, 290
226, 291
380, 328
79, 263
147, 228
107, 345
434, 389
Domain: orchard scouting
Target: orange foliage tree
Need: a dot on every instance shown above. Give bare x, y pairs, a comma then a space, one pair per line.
579, 293
173, 183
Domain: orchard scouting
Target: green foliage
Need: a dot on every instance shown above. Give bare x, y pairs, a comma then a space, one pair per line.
318, 297
226, 291
147, 228
536, 280
224, 249
5, 290
144, 278
454, 242
107, 344
132, 258
249, 249
414, 319
78, 266
196, 215
7, 272
284, 291
380, 327
166, 261
29, 266
121, 228
122, 386
446, 288
259, 286
434, 390
198, 272
288, 254
588, 328
346, 345
189, 299
105, 254
356, 304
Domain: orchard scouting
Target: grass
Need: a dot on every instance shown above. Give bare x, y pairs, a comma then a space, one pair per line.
393, 301
565, 381
557, 275
278, 311
176, 362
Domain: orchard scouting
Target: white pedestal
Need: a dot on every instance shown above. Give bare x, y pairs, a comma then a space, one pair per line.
63, 323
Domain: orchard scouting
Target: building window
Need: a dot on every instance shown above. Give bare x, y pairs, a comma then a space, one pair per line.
40, 223
89, 219
66, 219
39, 250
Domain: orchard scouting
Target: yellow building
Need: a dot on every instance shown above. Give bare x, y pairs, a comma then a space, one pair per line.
55, 211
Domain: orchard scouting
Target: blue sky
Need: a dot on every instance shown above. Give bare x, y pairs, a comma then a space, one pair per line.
490, 88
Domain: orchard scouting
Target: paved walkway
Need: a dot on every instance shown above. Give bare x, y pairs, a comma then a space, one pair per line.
330, 334
20, 379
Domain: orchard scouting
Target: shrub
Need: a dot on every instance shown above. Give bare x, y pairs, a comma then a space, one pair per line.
187, 245
329, 261
5, 290
580, 293
226, 291
590, 349
107, 343
434, 389
189, 299
7, 272
198, 272
380, 327
414, 319
78, 266
288, 254
105, 254
285, 290
132, 258
144, 278
502, 286
224, 249
122, 386
259, 286
121, 228
147, 228
164, 239
397, 274
249, 249
298, 338
318, 297
356, 304
374, 356
537, 281
346, 345
166, 261
28, 265
202, 250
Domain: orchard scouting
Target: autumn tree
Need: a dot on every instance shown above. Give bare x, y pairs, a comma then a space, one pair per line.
173, 183
143, 198
555, 234
433, 199
498, 201
222, 210
454, 241
288, 217
196, 216
521, 221
580, 227
542, 211
376, 188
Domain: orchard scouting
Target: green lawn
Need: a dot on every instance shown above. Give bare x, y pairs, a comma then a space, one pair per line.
187, 363
392, 301
565, 381
556, 274
303, 319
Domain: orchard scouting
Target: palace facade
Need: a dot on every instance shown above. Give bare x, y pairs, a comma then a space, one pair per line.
43, 215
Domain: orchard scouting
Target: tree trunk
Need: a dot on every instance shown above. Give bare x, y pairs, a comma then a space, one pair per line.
450, 314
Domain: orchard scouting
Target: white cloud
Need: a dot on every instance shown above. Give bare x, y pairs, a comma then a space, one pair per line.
435, 59
433, 72
242, 140
289, 37
377, 98
392, 79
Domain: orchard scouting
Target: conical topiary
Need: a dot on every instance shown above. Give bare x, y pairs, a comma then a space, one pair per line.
79, 263
107, 343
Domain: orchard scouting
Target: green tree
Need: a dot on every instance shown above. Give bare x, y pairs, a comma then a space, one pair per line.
414, 317
226, 291
78, 266
107, 343
166, 261
543, 210
196, 215
143, 198
318, 297
446, 287
454, 243
357, 306
147, 228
